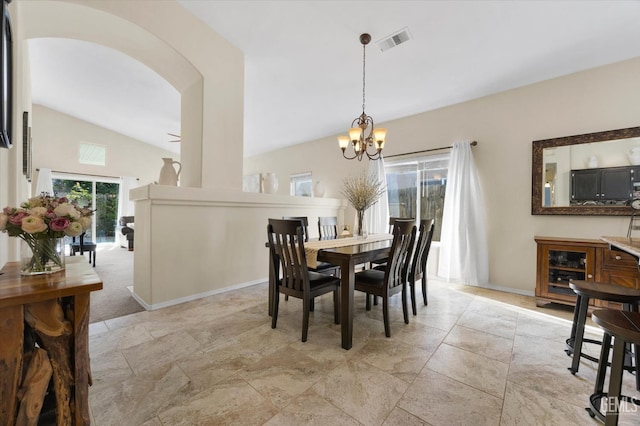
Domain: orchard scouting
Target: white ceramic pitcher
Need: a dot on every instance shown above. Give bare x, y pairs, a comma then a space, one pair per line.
168, 174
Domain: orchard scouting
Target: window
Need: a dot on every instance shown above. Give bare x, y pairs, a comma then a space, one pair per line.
89, 153
416, 188
301, 184
102, 195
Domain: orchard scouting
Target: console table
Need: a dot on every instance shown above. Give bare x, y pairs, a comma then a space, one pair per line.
52, 310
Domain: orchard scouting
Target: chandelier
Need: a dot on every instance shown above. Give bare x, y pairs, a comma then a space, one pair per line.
362, 135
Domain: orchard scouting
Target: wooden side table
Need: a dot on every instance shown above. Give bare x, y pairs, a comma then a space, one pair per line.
55, 308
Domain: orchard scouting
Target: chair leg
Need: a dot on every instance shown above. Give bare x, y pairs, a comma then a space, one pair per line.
305, 318
412, 285
368, 301
286, 297
312, 304
375, 300
424, 287
336, 305
385, 314
276, 302
405, 308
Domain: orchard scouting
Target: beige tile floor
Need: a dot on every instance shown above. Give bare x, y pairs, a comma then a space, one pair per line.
471, 357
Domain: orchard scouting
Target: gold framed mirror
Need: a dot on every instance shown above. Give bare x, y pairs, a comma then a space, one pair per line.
556, 161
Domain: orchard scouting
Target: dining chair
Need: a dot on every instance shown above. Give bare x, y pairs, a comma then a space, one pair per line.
328, 227
304, 221
82, 246
393, 279
418, 267
286, 242
381, 263
321, 267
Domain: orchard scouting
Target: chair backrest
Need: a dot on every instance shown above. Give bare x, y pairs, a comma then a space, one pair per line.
392, 221
305, 224
328, 227
286, 242
421, 251
404, 235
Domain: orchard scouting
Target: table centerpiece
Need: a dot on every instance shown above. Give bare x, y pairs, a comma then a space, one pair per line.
362, 191
41, 223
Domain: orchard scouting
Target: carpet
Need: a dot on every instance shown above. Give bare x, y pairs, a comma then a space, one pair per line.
114, 265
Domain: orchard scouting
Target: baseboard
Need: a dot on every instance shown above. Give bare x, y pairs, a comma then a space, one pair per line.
489, 286
192, 297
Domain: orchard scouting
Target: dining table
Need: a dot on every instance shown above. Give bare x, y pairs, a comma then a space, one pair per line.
346, 253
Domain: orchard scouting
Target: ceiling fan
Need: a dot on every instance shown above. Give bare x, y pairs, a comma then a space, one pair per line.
175, 136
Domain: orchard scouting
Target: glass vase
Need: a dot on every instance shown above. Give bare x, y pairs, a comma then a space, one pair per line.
41, 256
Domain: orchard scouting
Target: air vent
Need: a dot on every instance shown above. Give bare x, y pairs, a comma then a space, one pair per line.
394, 39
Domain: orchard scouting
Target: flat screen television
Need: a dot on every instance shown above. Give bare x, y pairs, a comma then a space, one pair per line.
6, 79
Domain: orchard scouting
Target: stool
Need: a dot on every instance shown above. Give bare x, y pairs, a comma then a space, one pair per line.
585, 290
624, 327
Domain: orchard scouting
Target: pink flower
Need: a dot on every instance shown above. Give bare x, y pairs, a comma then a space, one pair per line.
16, 218
59, 224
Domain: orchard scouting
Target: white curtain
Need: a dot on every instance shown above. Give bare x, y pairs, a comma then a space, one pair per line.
126, 207
45, 182
377, 216
464, 250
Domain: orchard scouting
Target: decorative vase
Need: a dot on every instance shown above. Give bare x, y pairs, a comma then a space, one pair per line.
318, 189
269, 183
41, 256
168, 174
360, 231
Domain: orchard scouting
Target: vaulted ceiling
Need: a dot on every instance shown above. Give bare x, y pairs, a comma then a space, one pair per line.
303, 62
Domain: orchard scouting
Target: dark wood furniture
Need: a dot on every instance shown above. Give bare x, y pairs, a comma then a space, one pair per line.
624, 327
418, 268
82, 246
611, 185
321, 267
55, 308
347, 258
328, 227
562, 259
286, 243
590, 290
393, 279
304, 222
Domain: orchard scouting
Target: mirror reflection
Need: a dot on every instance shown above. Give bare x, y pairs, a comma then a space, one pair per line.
560, 162
589, 174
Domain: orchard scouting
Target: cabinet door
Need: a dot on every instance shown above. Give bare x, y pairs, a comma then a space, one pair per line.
559, 265
585, 185
615, 184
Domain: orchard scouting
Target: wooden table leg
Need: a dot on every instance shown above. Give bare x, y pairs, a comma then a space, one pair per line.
12, 332
82, 367
347, 287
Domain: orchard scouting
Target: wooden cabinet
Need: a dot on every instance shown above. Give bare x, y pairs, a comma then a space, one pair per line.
560, 260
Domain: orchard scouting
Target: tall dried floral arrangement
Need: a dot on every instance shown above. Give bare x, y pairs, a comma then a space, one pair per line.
362, 191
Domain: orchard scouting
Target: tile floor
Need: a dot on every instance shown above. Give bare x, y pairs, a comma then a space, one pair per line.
471, 357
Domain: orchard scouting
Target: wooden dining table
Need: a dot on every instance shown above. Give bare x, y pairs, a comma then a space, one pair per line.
347, 257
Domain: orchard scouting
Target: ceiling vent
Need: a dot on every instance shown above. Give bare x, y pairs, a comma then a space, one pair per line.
394, 39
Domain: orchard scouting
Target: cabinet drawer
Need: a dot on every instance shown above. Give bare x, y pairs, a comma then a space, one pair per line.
617, 258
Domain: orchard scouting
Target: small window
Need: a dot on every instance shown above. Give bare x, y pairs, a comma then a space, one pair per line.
301, 184
89, 153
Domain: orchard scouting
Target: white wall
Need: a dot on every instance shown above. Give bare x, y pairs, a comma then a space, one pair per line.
215, 241
56, 137
504, 124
